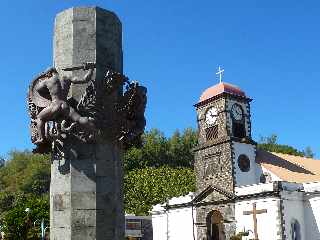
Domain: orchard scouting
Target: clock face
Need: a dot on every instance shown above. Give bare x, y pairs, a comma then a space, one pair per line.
237, 112
211, 116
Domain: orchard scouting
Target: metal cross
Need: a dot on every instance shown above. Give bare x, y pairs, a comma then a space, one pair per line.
254, 213
220, 71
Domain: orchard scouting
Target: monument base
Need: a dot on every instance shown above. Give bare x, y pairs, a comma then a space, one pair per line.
86, 197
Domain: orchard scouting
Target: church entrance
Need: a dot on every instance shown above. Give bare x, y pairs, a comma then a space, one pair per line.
215, 229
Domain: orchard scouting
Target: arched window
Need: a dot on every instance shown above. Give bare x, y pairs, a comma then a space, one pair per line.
295, 230
215, 227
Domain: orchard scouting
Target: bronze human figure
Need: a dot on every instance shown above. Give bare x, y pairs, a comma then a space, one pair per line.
56, 88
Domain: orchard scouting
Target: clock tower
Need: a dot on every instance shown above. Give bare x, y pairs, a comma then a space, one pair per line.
225, 155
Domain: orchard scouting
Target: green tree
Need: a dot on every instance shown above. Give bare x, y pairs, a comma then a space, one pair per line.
26, 172
19, 224
271, 144
180, 148
146, 187
157, 150
7, 200
153, 152
308, 152
2, 162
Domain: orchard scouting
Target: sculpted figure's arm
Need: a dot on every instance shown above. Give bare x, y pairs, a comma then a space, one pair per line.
41, 87
88, 75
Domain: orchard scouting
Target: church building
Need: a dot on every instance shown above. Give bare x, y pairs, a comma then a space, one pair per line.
240, 189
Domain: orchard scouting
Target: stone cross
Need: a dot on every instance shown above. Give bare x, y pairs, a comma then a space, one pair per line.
81, 114
220, 72
254, 213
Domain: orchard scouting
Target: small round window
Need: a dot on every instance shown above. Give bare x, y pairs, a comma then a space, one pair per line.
244, 163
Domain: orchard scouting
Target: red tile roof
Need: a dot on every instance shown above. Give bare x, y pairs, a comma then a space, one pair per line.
290, 168
221, 88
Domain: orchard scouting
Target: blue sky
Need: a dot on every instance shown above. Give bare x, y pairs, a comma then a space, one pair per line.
268, 48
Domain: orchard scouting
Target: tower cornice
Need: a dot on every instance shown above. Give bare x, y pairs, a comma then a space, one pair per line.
223, 95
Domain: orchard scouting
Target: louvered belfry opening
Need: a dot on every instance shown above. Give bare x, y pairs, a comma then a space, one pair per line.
212, 132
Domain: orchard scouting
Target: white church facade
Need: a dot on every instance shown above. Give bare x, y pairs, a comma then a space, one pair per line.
240, 189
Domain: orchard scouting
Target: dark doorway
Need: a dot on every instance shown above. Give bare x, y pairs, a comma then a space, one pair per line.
215, 229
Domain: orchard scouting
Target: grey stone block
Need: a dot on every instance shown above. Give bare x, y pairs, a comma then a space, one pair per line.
58, 233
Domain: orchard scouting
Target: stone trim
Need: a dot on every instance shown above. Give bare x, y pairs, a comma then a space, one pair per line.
226, 201
282, 235
232, 96
213, 142
248, 119
277, 186
211, 189
233, 165
218, 141
244, 140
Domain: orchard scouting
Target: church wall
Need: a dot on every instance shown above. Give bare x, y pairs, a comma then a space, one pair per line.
181, 224
312, 210
174, 224
268, 224
159, 225
312, 217
293, 210
255, 188
245, 178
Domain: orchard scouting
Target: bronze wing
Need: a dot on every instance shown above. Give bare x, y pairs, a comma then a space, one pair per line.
40, 99
36, 103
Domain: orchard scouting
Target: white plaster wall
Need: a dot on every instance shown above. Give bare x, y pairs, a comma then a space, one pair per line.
245, 178
312, 216
254, 188
268, 223
174, 224
312, 210
181, 224
159, 223
311, 187
293, 208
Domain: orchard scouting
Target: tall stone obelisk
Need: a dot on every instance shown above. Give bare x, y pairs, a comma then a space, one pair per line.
86, 199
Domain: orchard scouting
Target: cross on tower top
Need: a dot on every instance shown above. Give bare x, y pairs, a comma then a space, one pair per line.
220, 72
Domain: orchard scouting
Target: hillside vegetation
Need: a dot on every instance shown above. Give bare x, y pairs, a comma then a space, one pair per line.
161, 169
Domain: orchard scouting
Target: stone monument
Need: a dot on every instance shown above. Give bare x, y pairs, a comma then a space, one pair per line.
86, 112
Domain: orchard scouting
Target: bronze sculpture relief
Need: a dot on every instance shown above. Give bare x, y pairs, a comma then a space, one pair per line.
57, 116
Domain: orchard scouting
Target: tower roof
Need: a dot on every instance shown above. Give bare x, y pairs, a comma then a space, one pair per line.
222, 87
